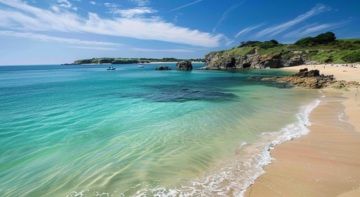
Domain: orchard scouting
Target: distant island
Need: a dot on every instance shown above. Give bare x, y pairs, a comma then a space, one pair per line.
324, 48
106, 60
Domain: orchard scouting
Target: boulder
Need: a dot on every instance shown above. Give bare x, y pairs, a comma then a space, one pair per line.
306, 73
184, 66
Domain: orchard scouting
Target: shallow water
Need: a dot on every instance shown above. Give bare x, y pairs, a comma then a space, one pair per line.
72, 130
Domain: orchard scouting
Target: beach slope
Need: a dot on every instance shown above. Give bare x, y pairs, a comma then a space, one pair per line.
326, 162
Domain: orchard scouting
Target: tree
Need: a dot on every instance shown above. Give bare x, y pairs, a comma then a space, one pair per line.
324, 38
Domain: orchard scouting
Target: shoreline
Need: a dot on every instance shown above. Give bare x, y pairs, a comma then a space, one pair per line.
329, 152
288, 133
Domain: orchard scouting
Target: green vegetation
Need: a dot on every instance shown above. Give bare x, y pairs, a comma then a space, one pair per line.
262, 45
352, 57
129, 60
324, 48
325, 38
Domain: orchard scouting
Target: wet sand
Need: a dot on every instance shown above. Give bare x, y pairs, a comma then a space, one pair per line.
326, 162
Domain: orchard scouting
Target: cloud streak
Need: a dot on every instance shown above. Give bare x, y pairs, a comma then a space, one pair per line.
23, 16
134, 12
61, 40
225, 15
248, 30
163, 50
277, 29
141, 2
314, 28
186, 5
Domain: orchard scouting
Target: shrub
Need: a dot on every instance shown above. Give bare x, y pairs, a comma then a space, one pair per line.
324, 38
352, 57
263, 45
268, 44
249, 43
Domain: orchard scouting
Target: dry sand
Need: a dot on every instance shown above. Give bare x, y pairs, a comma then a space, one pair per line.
326, 162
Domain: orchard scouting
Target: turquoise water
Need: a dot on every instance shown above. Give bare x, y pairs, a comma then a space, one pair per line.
82, 130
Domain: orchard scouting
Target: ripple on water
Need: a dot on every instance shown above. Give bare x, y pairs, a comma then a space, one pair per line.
132, 132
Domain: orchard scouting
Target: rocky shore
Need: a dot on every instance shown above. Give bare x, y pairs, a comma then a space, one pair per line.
322, 49
310, 79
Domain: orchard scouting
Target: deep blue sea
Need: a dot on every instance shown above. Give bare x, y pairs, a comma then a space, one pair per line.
86, 131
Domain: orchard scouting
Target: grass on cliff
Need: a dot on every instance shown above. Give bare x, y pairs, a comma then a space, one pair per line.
324, 48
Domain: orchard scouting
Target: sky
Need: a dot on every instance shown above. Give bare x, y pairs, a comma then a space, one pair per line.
61, 31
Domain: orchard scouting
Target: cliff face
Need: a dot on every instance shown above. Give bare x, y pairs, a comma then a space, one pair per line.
323, 48
225, 61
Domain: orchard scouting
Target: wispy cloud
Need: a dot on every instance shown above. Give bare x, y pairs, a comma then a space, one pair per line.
225, 15
63, 4
62, 40
163, 50
186, 5
134, 12
248, 30
26, 17
95, 48
141, 2
277, 29
313, 28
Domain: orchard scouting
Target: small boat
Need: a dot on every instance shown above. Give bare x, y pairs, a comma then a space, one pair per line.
140, 66
111, 68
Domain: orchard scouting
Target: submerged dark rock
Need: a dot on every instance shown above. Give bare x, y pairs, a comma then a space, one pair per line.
181, 93
184, 66
163, 68
187, 93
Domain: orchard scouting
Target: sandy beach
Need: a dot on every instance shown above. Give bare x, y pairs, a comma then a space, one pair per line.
326, 162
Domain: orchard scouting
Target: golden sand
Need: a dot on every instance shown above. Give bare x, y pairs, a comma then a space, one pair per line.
326, 162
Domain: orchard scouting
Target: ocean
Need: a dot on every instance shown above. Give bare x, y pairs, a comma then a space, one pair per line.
85, 131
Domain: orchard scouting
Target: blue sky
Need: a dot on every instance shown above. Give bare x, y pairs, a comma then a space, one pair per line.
58, 31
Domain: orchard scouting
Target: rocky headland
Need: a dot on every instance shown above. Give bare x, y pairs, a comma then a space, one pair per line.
324, 48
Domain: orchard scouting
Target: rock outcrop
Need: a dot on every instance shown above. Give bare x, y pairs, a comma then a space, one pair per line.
304, 78
184, 66
309, 79
221, 61
306, 73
